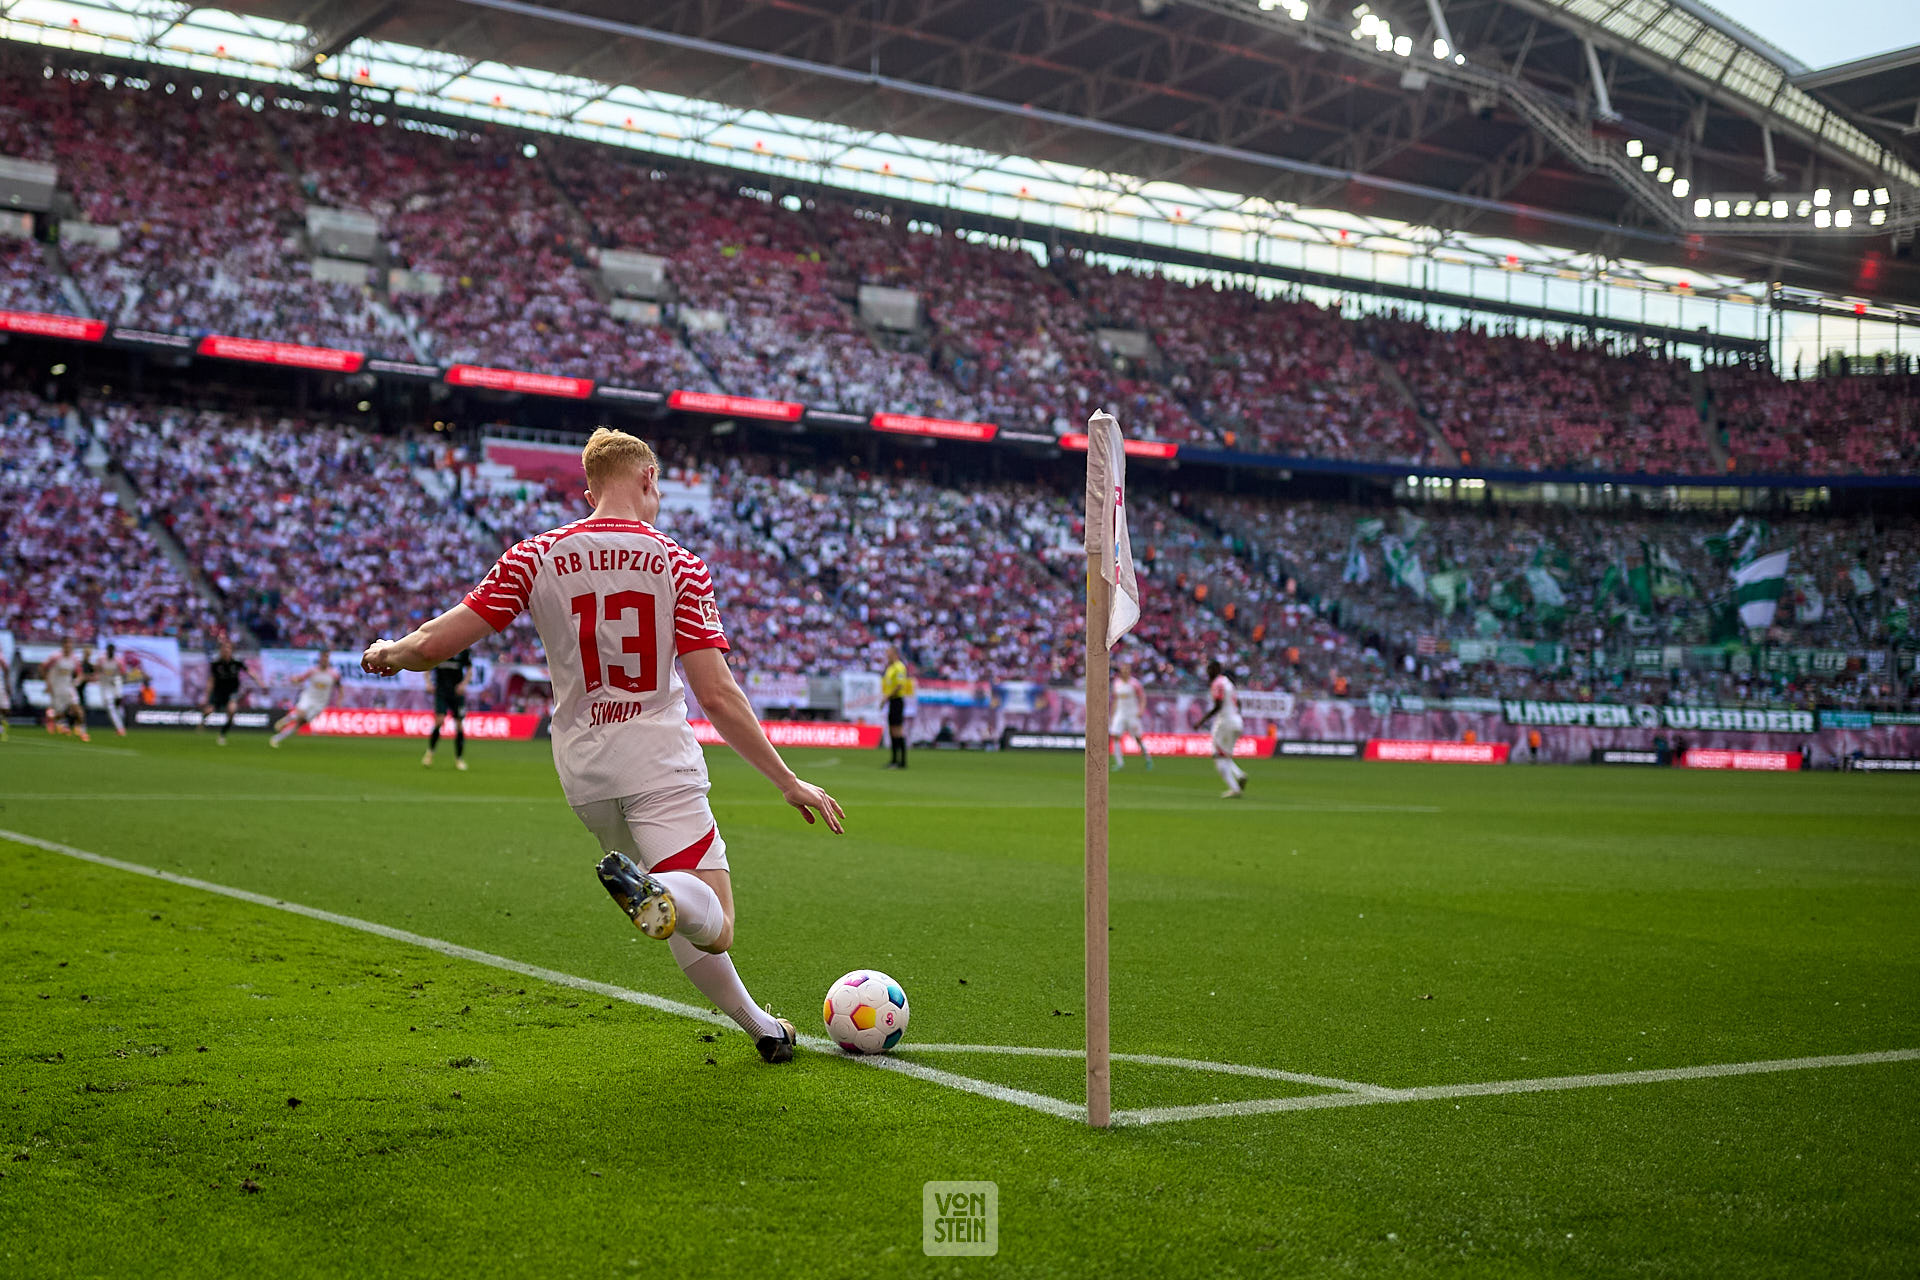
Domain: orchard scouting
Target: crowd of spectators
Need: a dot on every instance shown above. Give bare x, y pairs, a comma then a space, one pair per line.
214, 246
74, 563
26, 283
1266, 375
1819, 426
314, 534
762, 295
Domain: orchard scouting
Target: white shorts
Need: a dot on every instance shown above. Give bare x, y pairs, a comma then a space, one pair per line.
1123, 725
304, 711
664, 831
1225, 734
60, 702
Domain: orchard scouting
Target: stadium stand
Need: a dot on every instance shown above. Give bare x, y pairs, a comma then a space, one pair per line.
762, 289
73, 561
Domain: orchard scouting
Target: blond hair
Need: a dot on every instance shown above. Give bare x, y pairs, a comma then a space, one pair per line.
610, 454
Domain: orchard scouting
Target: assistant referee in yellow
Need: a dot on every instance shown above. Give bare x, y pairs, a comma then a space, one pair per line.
896, 686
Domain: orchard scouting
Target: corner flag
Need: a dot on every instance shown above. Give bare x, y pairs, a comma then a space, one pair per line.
1113, 607
1107, 491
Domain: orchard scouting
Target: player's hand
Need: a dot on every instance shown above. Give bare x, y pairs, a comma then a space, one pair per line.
377, 660
806, 797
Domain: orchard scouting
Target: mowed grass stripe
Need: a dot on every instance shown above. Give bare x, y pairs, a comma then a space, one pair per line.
453, 950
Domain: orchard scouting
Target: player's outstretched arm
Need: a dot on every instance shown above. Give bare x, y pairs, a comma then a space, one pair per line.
431, 644
1212, 711
719, 696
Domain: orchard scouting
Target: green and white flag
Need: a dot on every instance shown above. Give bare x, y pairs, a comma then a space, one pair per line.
1668, 579
1370, 529
1862, 581
1813, 605
1411, 526
1357, 570
1546, 589
1757, 587
1404, 565
1447, 589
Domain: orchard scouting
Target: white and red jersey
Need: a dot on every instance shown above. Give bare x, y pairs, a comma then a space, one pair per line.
62, 670
1129, 695
1222, 692
318, 689
615, 602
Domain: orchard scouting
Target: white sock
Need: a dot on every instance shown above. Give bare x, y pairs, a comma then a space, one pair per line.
719, 982
1240, 775
283, 735
697, 913
1224, 767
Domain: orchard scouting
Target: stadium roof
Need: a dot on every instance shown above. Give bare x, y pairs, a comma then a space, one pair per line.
1653, 130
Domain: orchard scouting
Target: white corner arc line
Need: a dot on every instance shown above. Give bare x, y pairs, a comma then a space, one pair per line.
660, 1004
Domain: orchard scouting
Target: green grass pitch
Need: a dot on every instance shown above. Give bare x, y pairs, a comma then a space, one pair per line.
192, 1085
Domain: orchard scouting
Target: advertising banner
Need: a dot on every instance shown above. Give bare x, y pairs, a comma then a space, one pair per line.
1624, 755
1262, 704
1077, 441
1717, 758
860, 699
532, 384
942, 428
158, 656
767, 689
43, 325
798, 733
735, 406
1437, 752
1608, 715
373, 722
279, 668
1290, 747
258, 351
1884, 764
190, 718
1199, 744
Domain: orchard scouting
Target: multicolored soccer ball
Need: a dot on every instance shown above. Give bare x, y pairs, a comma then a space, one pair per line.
866, 1012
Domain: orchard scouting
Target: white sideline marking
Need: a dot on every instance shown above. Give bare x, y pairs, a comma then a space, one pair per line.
1350, 1093
660, 1004
1435, 1092
206, 797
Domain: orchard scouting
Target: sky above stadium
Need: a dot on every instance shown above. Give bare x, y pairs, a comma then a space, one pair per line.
1821, 35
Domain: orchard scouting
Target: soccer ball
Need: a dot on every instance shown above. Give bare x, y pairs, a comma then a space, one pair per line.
866, 1012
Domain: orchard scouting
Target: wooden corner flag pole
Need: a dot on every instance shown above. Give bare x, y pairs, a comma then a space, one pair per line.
1099, 606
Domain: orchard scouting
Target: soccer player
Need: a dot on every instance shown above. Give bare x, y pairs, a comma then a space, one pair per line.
615, 601
450, 699
113, 673
321, 682
1128, 698
1225, 715
65, 674
896, 686
226, 673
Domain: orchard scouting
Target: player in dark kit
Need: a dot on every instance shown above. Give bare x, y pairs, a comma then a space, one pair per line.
450, 699
226, 672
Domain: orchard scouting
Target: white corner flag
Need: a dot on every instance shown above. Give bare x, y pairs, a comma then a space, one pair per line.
1107, 478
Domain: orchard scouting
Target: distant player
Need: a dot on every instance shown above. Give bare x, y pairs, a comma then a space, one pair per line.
450, 699
1129, 697
896, 686
319, 683
111, 673
1225, 714
66, 675
226, 673
615, 601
